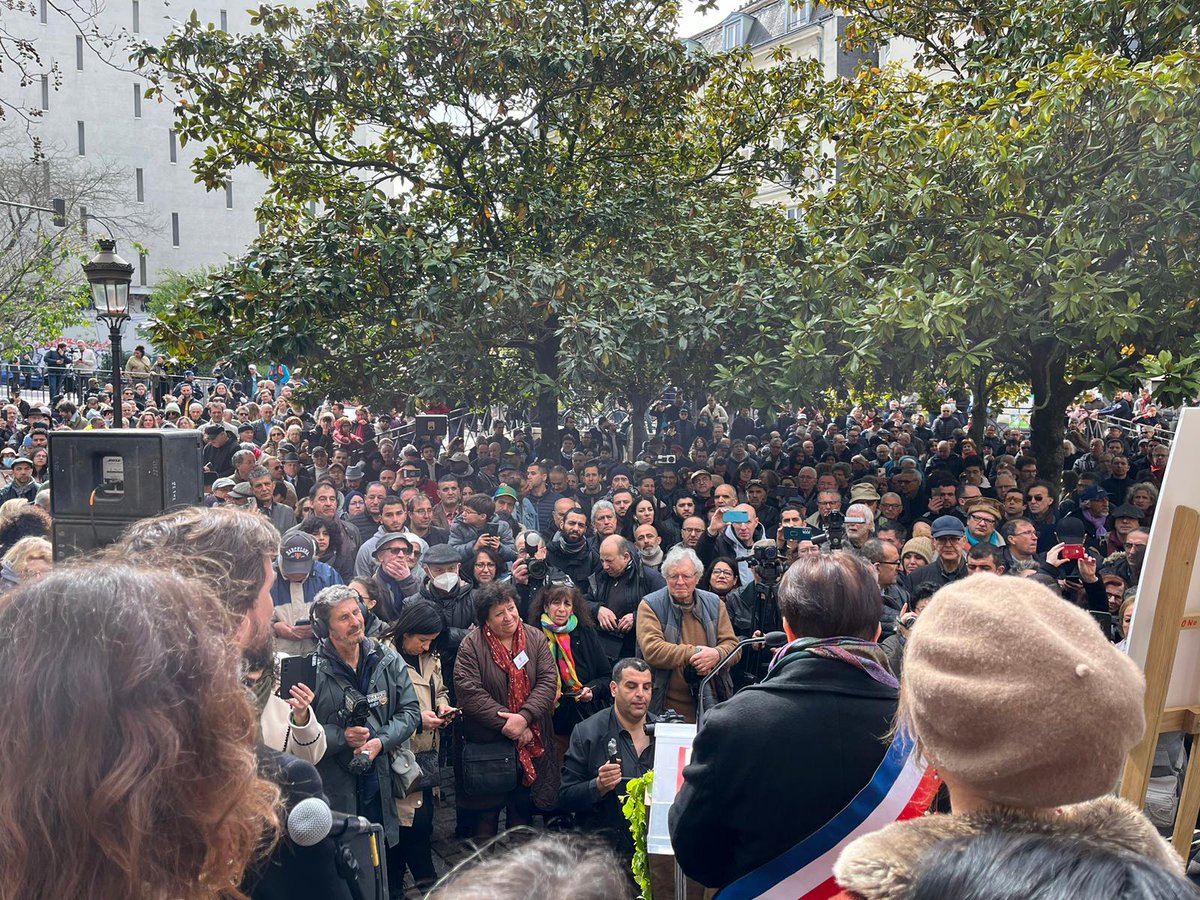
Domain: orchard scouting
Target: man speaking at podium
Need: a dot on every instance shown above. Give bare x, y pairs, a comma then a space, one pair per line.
774, 766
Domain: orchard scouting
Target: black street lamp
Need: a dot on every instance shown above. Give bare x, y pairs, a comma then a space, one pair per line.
109, 277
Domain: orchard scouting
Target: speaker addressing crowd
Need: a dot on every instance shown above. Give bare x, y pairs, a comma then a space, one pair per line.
510, 620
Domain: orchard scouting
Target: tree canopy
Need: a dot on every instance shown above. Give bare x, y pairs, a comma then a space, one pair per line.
1022, 199
461, 187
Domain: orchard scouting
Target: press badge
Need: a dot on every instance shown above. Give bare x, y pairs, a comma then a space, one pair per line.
379, 698
521, 659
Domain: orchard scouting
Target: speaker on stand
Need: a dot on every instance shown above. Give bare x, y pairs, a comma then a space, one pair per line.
103, 481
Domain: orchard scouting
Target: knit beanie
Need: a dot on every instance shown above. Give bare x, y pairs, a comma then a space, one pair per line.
922, 546
1017, 694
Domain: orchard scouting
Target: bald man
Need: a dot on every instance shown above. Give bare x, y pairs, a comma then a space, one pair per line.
732, 539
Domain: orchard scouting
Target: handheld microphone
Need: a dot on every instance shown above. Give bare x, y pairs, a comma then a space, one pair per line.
311, 821
772, 640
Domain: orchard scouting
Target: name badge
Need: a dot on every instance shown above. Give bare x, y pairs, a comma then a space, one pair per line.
377, 699
521, 659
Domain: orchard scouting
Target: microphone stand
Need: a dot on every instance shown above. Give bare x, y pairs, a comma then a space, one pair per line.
771, 640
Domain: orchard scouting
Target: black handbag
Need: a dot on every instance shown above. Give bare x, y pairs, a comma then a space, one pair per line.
489, 768
431, 772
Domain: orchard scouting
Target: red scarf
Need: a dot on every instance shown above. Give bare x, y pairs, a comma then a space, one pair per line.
518, 693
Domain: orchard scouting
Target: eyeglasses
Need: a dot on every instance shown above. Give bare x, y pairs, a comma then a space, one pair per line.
888, 562
947, 539
683, 577
978, 517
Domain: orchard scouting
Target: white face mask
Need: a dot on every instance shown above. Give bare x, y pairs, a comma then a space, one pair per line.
447, 581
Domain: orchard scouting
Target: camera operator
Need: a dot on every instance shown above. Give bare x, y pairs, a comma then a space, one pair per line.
593, 780
367, 704
754, 610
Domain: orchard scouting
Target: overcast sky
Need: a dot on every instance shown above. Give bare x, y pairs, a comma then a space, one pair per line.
691, 21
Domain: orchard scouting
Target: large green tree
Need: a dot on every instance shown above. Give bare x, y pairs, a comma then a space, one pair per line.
465, 189
1024, 199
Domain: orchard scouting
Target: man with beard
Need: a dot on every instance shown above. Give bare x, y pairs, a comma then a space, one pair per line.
592, 783
570, 551
356, 770
735, 540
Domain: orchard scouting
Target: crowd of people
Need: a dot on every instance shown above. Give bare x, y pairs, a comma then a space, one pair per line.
508, 616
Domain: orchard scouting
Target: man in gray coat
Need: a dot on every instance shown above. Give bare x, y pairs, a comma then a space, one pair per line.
356, 768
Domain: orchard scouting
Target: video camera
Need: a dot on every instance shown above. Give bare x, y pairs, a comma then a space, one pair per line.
767, 562
835, 529
354, 712
668, 717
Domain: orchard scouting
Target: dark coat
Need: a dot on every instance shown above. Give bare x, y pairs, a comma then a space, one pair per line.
776, 762
482, 688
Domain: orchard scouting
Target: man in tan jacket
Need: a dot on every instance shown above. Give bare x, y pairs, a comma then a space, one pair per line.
684, 633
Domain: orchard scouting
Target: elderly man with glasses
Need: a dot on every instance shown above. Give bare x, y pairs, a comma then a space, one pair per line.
684, 633
949, 564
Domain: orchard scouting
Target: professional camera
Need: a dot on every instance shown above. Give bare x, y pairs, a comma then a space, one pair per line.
355, 710
835, 528
668, 717
537, 567
766, 560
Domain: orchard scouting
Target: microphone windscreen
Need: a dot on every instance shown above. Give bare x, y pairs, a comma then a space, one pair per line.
310, 822
775, 639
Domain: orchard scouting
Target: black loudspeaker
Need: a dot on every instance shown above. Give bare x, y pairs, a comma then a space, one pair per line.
430, 428
102, 481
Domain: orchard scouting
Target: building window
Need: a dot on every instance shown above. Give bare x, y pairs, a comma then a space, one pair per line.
137, 21
799, 13
137, 101
174, 147
79, 52
229, 195
731, 34
43, 10
83, 219
45, 92
82, 146
224, 20
142, 269
793, 213
174, 229
139, 176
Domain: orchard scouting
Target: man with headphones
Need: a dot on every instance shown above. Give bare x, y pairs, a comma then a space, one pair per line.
356, 674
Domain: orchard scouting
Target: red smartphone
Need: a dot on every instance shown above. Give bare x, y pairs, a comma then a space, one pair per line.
1073, 551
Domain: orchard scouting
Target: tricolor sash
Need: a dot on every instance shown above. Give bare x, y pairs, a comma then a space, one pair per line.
902, 788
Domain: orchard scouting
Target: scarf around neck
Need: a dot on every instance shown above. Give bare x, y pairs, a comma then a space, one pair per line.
568, 548
559, 637
518, 692
867, 656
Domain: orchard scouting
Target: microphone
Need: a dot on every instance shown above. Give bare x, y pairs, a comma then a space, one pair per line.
772, 640
311, 821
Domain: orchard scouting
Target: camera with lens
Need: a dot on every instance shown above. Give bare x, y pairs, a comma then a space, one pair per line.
767, 562
835, 528
354, 711
537, 568
668, 717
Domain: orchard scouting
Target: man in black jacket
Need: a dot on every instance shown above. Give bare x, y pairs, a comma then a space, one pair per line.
592, 785
818, 724
617, 588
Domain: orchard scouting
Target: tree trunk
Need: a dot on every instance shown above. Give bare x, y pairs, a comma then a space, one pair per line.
1052, 393
638, 403
983, 402
546, 358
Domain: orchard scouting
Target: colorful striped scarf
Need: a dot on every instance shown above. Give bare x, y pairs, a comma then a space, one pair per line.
559, 637
864, 655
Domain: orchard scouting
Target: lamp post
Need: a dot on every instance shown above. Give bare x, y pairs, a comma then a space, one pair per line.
109, 277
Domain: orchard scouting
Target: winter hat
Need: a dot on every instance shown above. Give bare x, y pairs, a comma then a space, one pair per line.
922, 546
1039, 713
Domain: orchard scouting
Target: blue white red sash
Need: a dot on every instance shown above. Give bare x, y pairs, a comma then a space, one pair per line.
902, 788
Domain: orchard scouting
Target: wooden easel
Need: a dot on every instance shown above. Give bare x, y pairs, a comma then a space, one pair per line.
1170, 618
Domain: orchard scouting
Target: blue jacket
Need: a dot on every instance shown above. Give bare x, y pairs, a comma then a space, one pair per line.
322, 577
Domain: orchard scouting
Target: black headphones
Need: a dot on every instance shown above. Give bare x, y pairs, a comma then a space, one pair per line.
321, 628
